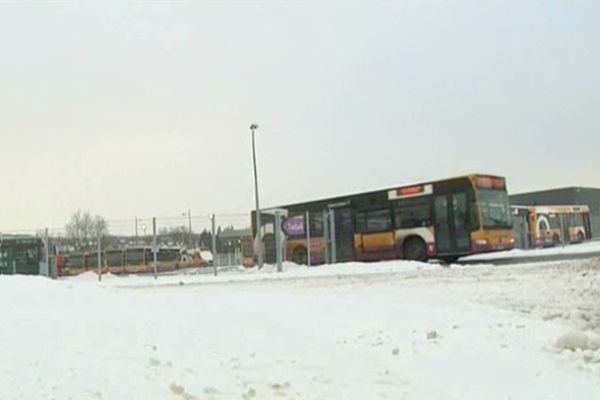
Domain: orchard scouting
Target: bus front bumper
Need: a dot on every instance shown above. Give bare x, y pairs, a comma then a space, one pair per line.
492, 244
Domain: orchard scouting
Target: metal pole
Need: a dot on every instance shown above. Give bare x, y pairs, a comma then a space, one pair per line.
99, 255
307, 228
332, 235
190, 226
253, 128
214, 243
326, 235
562, 230
278, 244
47, 254
136, 228
14, 267
154, 248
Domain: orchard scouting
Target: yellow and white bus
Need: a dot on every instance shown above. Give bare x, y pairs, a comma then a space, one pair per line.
545, 226
444, 220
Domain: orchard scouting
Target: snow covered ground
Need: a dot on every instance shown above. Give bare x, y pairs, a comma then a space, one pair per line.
591, 247
394, 330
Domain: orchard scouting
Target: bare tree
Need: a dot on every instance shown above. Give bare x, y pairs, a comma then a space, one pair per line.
83, 228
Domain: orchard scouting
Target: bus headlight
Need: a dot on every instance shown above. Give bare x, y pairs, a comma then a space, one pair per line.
512, 240
481, 242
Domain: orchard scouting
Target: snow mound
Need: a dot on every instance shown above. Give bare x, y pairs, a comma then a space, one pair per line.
85, 276
24, 285
91, 276
206, 255
578, 341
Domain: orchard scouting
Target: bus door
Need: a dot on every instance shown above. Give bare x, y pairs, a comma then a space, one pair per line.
344, 234
452, 234
565, 221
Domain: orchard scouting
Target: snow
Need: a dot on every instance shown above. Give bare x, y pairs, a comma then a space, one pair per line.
591, 247
577, 341
206, 255
396, 330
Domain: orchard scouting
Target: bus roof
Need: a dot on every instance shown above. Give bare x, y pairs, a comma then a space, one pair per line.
558, 209
343, 198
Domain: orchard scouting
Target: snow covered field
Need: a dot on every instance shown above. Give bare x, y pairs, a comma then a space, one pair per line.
393, 330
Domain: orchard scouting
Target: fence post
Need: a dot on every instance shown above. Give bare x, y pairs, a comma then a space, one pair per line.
49, 270
14, 267
99, 256
278, 244
214, 242
332, 235
326, 235
307, 229
562, 230
154, 248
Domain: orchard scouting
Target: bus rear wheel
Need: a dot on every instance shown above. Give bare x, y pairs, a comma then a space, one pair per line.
300, 256
415, 249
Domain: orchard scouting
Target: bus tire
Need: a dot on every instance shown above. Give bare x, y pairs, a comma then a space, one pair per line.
300, 256
414, 249
580, 237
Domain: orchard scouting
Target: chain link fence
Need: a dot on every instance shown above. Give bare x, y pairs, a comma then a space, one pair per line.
141, 245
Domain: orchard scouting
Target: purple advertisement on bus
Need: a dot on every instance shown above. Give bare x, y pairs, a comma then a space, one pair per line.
294, 226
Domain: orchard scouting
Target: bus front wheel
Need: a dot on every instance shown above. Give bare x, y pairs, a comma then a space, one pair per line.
300, 256
415, 249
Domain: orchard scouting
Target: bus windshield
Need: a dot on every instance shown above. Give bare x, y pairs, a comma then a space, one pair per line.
495, 209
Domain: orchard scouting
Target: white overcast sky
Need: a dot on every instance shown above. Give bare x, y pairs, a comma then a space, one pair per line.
143, 108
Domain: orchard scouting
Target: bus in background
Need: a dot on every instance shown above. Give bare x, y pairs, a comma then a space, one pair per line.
444, 220
546, 226
247, 251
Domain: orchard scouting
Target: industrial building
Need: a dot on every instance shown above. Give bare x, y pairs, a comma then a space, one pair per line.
565, 196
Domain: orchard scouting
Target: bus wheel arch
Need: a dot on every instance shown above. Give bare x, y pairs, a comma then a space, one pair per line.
414, 248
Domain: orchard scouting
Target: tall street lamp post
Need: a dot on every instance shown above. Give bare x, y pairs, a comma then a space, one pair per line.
258, 246
190, 238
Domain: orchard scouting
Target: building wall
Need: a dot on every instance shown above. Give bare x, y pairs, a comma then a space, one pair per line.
591, 198
565, 196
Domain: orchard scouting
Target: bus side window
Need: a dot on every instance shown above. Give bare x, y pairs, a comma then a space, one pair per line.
473, 223
361, 221
316, 224
414, 213
374, 221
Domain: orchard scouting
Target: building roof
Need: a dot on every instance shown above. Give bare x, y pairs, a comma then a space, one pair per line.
9, 236
561, 189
